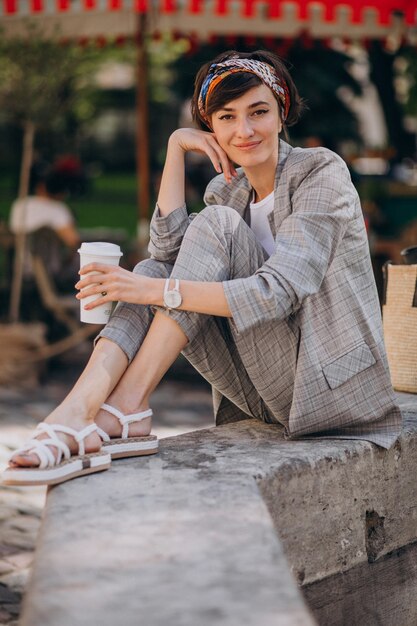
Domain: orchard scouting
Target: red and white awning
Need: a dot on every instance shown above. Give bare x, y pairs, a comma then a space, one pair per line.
203, 18
274, 8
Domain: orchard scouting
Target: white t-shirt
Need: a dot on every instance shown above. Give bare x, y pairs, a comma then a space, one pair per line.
31, 213
259, 223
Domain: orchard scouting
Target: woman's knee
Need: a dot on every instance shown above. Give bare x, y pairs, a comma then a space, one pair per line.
153, 268
218, 215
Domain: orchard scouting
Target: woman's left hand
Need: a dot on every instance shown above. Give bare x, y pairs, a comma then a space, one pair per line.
112, 283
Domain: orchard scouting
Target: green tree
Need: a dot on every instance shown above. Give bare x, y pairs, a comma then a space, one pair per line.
40, 81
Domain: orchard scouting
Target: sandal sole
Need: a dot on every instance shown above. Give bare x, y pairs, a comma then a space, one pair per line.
73, 468
133, 446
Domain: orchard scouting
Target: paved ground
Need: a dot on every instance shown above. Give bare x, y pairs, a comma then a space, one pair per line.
181, 403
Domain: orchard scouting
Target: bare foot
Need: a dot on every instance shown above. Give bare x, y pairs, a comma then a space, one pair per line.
112, 426
92, 442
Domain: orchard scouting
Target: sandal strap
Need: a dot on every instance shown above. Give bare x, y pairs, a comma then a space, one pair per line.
42, 447
43, 453
78, 435
102, 433
125, 420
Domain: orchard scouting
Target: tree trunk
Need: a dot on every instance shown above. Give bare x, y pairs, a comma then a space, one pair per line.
20, 239
142, 136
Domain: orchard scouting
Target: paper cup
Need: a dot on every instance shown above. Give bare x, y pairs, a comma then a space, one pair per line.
97, 252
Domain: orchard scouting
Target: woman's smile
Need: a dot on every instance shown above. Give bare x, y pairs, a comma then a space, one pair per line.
248, 145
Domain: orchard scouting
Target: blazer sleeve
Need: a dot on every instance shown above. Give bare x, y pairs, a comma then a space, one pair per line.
307, 240
166, 233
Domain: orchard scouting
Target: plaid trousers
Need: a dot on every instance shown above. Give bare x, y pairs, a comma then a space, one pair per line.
219, 246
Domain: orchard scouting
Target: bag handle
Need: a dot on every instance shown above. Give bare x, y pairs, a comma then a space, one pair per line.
385, 285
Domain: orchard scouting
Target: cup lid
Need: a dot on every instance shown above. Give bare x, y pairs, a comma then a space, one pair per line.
102, 248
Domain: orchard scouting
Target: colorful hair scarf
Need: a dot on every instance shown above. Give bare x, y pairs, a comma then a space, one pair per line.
218, 71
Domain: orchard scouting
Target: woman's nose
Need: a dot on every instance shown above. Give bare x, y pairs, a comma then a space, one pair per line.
244, 128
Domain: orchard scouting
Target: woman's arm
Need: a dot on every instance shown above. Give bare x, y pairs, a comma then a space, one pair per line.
121, 285
172, 188
125, 286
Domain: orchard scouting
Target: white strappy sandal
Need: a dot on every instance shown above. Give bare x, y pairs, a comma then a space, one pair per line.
53, 470
126, 446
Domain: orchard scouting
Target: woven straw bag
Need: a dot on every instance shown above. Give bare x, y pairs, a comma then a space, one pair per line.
399, 313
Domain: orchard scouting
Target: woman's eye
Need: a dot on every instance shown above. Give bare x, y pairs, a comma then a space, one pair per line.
260, 111
226, 116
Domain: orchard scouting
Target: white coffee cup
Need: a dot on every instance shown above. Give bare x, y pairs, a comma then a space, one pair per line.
97, 252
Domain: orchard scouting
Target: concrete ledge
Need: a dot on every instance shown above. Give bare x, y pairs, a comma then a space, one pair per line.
223, 527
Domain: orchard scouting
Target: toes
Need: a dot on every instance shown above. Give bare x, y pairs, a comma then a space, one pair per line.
24, 460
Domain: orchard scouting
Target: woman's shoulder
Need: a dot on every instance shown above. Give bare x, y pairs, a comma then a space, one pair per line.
302, 159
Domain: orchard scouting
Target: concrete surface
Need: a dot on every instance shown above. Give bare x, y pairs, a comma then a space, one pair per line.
181, 538
20, 410
226, 526
219, 528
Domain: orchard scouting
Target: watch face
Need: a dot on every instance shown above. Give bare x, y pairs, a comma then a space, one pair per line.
173, 299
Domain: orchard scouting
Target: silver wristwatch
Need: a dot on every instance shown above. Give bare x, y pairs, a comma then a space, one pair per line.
172, 297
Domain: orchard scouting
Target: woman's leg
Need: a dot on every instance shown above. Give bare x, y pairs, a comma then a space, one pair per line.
130, 327
102, 372
162, 344
218, 245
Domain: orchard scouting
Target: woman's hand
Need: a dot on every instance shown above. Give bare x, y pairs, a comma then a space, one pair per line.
194, 140
113, 283
172, 189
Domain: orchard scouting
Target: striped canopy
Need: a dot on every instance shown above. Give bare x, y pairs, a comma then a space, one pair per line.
202, 18
274, 8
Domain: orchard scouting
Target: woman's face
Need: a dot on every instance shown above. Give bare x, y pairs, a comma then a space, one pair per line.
247, 128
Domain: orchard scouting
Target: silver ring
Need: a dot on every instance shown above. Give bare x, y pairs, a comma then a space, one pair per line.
104, 293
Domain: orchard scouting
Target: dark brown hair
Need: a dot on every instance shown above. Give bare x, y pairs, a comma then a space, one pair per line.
235, 85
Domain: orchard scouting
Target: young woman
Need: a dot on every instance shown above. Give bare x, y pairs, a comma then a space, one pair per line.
268, 291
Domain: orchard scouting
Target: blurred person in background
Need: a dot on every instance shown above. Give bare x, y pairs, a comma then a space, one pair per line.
46, 208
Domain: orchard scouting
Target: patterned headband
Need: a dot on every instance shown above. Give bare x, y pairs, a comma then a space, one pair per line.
219, 71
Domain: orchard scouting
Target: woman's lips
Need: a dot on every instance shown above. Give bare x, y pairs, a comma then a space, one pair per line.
248, 146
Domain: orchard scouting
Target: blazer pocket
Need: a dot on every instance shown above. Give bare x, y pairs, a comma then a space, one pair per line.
344, 367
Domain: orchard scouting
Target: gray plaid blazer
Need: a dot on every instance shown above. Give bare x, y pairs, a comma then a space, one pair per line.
320, 280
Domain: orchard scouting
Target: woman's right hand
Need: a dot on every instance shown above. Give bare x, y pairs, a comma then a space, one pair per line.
194, 140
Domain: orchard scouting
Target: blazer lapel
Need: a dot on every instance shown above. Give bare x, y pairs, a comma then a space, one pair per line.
275, 218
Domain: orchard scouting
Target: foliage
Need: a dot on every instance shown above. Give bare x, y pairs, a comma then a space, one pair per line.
383, 75
41, 79
410, 105
319, 72
162, 54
